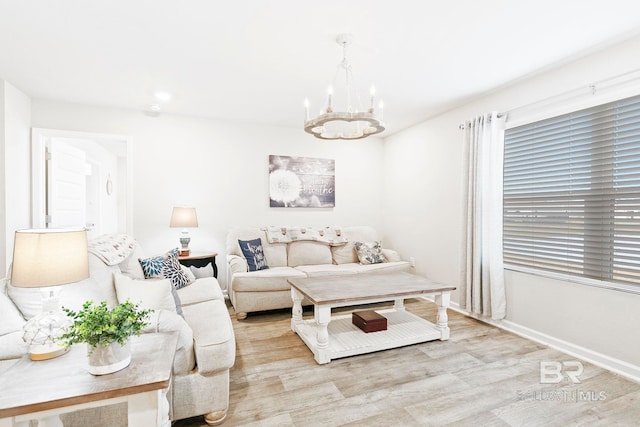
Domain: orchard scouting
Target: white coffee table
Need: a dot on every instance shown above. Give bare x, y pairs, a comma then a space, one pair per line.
335, 337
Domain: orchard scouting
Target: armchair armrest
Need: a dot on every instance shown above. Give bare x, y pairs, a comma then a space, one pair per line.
236, 264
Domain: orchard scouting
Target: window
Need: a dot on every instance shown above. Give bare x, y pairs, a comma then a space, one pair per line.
572, 193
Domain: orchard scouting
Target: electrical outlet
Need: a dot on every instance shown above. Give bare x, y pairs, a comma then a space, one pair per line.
412, 261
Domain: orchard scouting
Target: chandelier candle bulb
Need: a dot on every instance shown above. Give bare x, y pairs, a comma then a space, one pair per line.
329, 97
306, 109
373, 93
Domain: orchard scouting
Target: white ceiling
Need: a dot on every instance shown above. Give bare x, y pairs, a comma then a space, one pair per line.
256, 60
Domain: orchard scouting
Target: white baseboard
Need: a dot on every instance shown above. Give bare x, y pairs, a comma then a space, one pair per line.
612, 364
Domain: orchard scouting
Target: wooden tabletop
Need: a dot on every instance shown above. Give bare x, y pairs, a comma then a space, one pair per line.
362, 287
30, 386
199, 255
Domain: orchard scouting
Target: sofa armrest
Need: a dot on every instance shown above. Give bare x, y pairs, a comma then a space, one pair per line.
391, 255
236, 264
214, 347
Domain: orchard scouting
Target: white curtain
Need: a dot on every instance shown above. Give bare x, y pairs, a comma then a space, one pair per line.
482, 283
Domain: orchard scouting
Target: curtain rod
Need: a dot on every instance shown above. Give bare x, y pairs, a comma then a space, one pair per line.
592, 88
461, 126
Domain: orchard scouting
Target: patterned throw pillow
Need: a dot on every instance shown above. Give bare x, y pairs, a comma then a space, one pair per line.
172, 270
254, 254
152, 267
369, 252
165, 266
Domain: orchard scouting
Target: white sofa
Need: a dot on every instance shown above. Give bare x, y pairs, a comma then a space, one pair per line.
251, 291
206, 345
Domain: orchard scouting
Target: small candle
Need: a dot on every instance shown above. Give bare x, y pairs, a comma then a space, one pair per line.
330, 93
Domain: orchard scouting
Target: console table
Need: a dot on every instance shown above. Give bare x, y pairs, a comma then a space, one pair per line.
200, 259
44, 389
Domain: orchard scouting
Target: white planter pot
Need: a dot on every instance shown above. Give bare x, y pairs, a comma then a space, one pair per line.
106, 360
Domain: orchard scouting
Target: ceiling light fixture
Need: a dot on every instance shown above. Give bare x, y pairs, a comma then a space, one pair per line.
352, 123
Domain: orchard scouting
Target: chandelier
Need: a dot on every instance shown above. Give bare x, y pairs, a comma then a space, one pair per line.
353, 122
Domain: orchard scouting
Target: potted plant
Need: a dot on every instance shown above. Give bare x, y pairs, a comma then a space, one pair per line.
106, 332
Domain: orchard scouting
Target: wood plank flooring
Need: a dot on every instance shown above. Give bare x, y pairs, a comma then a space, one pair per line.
482, 376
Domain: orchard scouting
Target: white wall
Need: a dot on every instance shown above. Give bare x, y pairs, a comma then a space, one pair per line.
422, 211
221, 169
15, 115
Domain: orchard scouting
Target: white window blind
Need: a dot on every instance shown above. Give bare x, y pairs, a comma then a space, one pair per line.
572, 193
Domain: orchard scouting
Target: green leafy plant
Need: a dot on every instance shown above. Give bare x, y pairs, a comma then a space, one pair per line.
100, 325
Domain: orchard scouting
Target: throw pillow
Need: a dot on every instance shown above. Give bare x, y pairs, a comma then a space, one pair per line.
152, 267
201, 272
150, 294
166, 266
172, 270
370, 252
254, 254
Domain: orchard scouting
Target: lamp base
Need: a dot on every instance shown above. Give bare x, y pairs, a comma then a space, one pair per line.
46, 352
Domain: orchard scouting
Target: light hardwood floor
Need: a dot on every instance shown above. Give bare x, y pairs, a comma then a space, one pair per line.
482, 376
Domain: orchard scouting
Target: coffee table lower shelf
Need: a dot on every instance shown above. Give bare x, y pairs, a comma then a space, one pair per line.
346, 339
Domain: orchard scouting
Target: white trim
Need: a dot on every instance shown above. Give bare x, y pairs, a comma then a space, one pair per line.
609, 90
609, 363
632, 289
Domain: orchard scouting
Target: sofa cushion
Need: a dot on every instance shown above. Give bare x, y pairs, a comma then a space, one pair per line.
385, 267
204, 289
214, 342
369, 252
325, 270
308, 253
273, 279
153, 294
346, 254
254, 254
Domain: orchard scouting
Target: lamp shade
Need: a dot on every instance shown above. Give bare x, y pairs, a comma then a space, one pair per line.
183, 218
49, 257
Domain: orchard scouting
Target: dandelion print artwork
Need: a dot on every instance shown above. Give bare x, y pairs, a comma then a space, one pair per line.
301, 182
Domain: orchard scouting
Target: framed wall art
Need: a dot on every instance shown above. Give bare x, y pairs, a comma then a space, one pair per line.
301, 182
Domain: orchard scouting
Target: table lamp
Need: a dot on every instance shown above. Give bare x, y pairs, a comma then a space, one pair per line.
45, 259
184, 218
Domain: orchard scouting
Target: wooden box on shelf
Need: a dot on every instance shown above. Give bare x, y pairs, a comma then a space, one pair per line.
369, 321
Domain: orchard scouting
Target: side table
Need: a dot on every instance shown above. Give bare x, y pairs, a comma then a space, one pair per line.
200, 259
44, 389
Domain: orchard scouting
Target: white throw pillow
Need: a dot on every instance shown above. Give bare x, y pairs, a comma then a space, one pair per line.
190, 275
154, 294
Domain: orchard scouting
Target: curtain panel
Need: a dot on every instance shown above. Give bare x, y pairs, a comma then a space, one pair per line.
482, 289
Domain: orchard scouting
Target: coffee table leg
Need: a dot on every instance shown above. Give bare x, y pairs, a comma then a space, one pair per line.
296, 313
322, 317
442, 300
